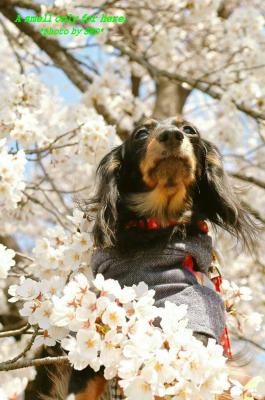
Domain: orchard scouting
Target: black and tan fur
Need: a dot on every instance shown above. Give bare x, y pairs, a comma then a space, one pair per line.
163, 170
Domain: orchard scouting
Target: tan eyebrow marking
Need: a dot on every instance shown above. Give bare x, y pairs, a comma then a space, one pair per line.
149, 123
179, 120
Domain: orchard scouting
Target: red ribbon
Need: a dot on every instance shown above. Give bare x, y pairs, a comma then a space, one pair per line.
217, 281
224, 340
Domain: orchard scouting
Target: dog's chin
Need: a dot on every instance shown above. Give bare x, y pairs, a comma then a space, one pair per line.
168, 183
160, 204
168, 191
169, 172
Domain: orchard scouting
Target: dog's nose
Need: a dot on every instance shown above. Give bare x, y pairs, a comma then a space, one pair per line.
171, 136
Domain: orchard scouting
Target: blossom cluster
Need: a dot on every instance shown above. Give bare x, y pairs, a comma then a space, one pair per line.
11, 176
56, 259
13, 383
101, 324
233, 295
112, 90
95, 139
60, 253
37, 307
26, 113
98, 323
6, 260
117, 330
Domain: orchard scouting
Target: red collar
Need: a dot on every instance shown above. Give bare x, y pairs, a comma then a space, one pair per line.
153, 223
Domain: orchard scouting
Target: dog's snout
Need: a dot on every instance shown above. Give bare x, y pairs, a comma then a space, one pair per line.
170, 136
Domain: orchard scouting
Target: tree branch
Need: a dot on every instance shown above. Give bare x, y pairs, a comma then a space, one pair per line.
54, 50
23, 255
24, 352
102, 110
245, 339
49, 210
59, 55
170, 98
249, 179
205, 87
53, 186
14, 332
71, 67
28, 4
34, 363
135, 84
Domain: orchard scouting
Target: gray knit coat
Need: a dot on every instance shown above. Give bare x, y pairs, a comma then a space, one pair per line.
162, 271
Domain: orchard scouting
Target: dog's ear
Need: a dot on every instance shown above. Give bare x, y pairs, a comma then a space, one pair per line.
107, 197
218, 201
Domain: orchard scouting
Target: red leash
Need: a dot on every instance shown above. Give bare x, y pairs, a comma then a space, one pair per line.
217, 281
216, 278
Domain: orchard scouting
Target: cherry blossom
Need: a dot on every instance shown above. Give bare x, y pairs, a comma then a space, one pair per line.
49, 150
6, 257
12, 175
13, 383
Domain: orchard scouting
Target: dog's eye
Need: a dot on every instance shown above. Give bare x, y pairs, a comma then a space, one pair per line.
142, 133
189, 130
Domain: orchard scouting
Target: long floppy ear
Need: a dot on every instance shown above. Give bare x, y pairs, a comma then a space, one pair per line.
218, 201
107, 197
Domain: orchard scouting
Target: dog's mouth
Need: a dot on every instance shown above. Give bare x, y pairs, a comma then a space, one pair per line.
168, 159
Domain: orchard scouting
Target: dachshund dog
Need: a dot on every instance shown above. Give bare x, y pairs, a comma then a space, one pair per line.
163, 170
155, 193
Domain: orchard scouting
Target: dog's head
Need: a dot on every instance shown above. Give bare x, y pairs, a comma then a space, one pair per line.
163, 170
